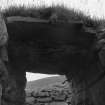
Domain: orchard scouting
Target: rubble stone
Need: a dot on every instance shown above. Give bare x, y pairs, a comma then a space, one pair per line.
44, 100
58, 103
55, 96
30, 99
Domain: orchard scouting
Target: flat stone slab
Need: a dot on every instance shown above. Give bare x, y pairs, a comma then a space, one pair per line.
44, 100
58, 103
30, 99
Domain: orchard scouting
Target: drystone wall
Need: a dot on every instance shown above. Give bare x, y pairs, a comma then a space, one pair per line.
55, 94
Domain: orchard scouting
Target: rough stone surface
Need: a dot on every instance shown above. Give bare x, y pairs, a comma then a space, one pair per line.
59, 94
3, 31
58, 103
3, 58
30, 100
0, 93
13, 92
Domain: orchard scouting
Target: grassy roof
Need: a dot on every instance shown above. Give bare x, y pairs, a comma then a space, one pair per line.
62, 13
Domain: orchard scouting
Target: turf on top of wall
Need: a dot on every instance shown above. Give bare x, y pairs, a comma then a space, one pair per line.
61, 12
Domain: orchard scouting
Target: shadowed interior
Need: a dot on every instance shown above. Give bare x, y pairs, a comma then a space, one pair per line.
52, 47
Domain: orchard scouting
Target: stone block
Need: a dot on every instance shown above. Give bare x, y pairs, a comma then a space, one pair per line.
44, 100
59, 98
43, 94
58, 103
0, 93
28, 94
30, 100
35, 94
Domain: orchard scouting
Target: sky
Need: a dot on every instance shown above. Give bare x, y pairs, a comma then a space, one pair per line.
91, 7
94, 8
36, 76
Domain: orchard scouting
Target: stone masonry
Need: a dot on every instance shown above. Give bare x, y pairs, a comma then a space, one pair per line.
55, 94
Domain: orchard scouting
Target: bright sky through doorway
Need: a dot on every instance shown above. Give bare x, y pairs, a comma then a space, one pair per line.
35, 76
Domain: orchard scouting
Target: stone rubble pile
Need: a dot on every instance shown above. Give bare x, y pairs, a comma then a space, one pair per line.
51, 95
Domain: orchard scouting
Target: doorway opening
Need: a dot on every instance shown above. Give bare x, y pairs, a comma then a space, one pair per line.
39, 80
43, 88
